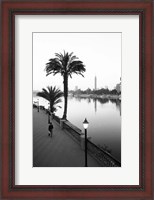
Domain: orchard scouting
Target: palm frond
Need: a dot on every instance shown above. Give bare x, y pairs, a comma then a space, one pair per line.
64, 63
43, 95
58, 101
51, 94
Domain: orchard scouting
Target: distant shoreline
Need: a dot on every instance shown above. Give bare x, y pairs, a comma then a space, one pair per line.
104, 96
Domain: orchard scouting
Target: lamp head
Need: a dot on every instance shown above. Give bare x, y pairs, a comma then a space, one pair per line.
85, 124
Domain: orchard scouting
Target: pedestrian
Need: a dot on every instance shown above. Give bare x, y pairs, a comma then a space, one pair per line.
50, 129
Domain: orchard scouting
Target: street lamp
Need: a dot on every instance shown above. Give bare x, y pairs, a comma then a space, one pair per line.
48, 113
85, 125
38, 105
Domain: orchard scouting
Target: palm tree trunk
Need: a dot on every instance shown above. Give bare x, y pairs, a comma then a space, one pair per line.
65, 95
51, 106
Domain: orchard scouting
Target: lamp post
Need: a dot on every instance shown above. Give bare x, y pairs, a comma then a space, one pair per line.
38, 105
49, 113
85, 125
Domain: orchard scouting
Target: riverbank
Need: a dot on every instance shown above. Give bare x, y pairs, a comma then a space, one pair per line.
104, 96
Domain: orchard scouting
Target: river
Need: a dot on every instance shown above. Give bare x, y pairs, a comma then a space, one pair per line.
104, 117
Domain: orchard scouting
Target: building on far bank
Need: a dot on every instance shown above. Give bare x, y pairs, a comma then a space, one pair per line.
118, 87
76, 88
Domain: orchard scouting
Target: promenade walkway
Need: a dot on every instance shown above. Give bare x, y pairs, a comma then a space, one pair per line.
60, 150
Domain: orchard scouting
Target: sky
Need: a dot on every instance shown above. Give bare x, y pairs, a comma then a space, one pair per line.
99, 52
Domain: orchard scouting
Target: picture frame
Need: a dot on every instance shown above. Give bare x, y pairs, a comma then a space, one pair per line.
8, 188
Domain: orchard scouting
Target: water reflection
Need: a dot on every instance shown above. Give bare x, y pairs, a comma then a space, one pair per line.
89, 100
118, 104
105, 121
95, 103
103, 100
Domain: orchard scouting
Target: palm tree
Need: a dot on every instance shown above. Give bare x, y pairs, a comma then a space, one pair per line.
66, 64
53, 95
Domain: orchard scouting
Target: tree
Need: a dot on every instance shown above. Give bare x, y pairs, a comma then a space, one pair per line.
65, 64
88, 91
114, 91
53, 95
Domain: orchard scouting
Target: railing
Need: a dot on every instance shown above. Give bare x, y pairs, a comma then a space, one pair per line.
102, 156
73, 130
56, 118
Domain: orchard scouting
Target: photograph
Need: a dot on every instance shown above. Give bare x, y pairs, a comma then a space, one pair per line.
77, 99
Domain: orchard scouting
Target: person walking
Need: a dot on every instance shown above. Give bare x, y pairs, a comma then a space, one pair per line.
50, 129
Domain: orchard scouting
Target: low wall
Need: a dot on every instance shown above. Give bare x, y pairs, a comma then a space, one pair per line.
103, 157
106, 159
56, 118
73, 130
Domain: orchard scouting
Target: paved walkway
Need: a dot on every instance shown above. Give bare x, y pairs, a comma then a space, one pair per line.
60, 150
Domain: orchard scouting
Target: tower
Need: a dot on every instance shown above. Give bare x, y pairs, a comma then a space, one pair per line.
95, 86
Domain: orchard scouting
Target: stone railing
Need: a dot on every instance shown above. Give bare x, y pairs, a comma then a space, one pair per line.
103, 157
106, 159
73, 130
56, 118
